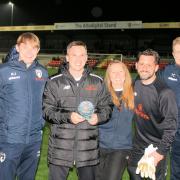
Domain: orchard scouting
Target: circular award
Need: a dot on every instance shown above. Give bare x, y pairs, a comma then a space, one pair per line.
86, 109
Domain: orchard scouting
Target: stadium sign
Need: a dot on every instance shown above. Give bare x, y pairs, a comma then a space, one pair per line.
161, 25
27, 28
99, 25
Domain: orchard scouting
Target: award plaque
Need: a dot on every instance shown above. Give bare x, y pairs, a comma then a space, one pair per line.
86, 109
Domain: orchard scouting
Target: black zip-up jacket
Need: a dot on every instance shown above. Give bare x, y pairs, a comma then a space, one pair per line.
156, 116
69, 143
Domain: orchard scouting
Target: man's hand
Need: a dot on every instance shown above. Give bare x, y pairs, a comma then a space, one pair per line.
146, 166
157, 157
76, 118
93, 120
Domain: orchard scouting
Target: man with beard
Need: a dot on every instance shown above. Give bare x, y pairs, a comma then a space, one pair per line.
155, 117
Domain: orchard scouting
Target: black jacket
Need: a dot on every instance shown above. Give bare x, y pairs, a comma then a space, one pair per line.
68, 143
156, 116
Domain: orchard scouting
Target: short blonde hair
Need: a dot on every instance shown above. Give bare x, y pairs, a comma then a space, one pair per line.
175, 41
28, 36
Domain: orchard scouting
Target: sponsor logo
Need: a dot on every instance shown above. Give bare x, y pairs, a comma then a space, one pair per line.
90, 87
172, 79
2, 157
38, 154
13, 74
39, 75
14, 77
67, 87
127, 157
139, 111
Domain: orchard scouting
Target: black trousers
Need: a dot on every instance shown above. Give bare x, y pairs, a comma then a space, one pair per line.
112, 164
61, 172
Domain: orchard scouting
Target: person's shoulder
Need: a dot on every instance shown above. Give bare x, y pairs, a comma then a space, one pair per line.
41, 66
164, 73
4, 66
160, 83
55, 76
136, 81
169, 67
161, 86
54, 80
95, 76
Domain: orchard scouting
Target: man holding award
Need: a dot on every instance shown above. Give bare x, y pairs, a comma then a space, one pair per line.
75, 101
155, 120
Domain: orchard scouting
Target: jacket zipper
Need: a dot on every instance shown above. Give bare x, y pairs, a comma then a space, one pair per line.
75, 138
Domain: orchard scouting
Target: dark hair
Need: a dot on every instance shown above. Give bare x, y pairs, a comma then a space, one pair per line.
76, 43
149, 52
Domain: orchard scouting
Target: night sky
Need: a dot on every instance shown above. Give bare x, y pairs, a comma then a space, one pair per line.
39, 12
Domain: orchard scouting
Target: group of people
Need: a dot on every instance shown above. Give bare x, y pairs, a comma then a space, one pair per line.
100, 126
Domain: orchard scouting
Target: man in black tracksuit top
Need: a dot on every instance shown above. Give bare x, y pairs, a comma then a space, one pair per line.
155, 115
74, 139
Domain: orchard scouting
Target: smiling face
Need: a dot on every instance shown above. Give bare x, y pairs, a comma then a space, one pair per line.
28, 46
146, 68
176, 53
117, 75
77, 58
28, 51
